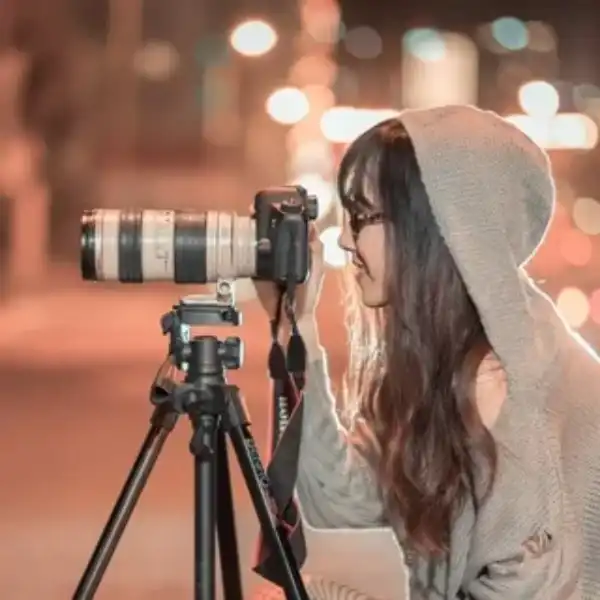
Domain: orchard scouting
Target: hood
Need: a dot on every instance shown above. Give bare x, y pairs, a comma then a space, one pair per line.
492, 194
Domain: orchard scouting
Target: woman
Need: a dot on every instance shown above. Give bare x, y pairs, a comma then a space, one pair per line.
477, 432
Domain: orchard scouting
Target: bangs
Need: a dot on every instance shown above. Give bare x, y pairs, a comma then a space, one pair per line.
358, 175
380, 169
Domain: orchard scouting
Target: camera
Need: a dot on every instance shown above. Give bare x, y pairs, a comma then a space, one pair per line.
136, 245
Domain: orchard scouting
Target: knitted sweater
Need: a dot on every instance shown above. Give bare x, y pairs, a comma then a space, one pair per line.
537, 536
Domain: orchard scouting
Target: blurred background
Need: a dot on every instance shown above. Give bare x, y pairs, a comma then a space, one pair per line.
199, 103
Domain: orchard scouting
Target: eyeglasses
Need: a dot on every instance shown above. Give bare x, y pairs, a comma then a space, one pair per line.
360, 220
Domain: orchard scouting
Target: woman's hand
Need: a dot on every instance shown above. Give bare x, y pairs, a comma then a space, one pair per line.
307, 298
307, 294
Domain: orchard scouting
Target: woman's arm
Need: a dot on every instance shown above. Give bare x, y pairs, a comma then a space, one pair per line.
336, 485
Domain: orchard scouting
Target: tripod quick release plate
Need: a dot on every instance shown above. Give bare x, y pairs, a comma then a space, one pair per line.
198, 311
209, 310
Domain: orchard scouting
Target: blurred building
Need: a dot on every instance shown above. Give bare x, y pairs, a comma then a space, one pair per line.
138, 104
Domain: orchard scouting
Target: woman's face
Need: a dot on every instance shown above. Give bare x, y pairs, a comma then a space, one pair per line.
363, 236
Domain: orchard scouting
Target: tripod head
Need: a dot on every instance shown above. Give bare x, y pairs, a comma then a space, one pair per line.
194, 311
202, 359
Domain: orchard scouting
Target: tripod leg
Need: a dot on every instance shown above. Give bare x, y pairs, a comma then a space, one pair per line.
203, 447
228, 543
259, 487
163, 421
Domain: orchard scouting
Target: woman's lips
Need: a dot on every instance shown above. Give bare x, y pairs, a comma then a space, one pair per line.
359, 267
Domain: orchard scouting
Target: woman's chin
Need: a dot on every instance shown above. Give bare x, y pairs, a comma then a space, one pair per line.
371, 297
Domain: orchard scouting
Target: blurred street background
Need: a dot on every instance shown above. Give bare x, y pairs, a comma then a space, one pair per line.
198, 104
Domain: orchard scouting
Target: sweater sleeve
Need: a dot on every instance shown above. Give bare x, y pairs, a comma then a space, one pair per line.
336, 484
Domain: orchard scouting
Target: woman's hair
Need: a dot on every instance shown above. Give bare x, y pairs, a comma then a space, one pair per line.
414, 361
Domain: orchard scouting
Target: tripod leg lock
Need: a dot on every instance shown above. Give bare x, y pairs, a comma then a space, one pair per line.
190, 399
202, 444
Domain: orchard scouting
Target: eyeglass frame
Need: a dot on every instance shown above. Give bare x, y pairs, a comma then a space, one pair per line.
359, 220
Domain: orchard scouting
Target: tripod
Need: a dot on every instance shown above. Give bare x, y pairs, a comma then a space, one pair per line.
216, 410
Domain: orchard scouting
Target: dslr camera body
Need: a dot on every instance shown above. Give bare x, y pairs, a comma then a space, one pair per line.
282, 218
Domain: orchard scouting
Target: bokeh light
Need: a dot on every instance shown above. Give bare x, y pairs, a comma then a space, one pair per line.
440, 69
324, 190
321, 22
287, 105
320, 97
510, 33
542, 37
574, 130
253, 38
564, 131
342, 124
363, 42
425, 44
539, 99
156, 60
574, 306
586, 215
333, 255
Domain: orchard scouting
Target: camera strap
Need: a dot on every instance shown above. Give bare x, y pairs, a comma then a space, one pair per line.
287, 372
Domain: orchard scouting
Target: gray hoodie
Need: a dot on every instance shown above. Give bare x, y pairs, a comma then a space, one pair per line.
537, 537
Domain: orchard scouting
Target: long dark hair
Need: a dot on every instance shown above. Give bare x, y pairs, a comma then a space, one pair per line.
414, 363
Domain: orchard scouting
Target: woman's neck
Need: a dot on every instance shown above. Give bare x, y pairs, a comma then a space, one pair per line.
490, 389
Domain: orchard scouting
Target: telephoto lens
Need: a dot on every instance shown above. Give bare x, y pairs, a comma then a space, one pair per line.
135, 246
